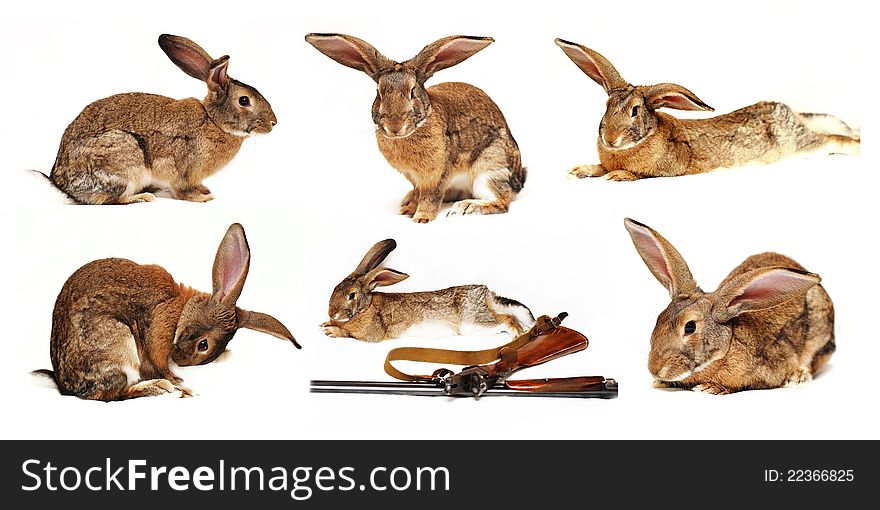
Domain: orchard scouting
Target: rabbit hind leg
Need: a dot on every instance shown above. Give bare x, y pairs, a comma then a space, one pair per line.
820, 344
105, 169
493, 194
843, 144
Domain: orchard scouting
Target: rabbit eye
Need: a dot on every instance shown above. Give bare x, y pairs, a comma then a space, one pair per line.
244, 101
203, 345
351, 296
635, 111
690, 327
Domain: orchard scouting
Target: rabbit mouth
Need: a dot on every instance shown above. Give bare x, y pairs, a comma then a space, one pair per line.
666, 373
391, 135
618, 145
341, 317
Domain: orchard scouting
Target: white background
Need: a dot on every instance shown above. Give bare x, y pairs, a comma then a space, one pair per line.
315, 193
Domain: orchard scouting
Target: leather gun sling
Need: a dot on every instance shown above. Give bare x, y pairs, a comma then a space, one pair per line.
463, 358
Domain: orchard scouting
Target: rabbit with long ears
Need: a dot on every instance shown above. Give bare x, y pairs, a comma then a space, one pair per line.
769, 323
357, 311
638, 141
122, 148
450, 141
116, 324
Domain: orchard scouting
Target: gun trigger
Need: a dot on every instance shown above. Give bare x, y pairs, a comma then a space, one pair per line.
440, 375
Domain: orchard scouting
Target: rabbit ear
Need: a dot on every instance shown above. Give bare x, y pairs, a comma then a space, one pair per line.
664, 261
352, 52
594, 65
187, 55
383, 277
218, 79
265, 323
760, 289
447, 52
375, 256
231, 266
670, 95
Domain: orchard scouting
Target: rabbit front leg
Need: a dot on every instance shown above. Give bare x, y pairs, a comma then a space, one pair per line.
410, 202
429, 203
711, 389
193, 194
583, 171
334, 331
621, 175
154, 387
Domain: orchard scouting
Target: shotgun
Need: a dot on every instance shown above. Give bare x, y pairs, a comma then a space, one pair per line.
546, 341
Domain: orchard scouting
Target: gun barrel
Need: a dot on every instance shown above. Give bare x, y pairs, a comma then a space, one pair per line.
427, 389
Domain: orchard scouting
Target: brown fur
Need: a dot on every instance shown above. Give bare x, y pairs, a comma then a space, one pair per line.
116, 324
637, 141
769, 324
450, 141
121, 148
357, 311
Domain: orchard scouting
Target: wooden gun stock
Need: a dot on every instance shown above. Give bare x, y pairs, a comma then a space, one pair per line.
563, 384
547, 346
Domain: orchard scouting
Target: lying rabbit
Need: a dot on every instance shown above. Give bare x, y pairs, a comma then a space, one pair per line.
358, 312
637, 141
116, 324
121, 148
450, 141
769, 323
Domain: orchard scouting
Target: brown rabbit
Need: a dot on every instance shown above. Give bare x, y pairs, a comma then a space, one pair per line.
637, 141
769, 323
121, 148
358, 312
450, 141
116, 324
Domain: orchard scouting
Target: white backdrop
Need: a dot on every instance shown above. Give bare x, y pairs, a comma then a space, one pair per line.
315, 193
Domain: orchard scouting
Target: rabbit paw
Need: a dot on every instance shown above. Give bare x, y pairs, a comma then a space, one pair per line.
408, 209
194, 195
582, 171
203, 189
200, 198
408, 205
423, 217
801, 376
184, 392
711, 389
150, 388
137, 198
621, 175
333, 331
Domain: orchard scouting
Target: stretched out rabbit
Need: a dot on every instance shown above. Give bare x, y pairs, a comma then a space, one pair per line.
450, 141
116, 324
122, 148
769, 323
357, 311
637, 141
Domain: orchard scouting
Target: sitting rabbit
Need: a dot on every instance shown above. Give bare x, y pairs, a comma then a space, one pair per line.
450, 140
122, 148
